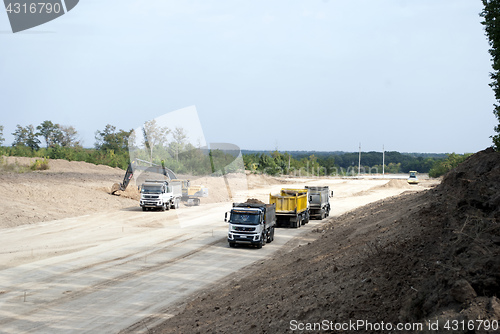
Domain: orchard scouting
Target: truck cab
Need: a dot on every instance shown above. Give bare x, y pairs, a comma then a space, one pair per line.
251, 224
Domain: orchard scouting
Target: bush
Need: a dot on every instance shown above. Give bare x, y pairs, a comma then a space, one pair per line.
442, 167
40, 164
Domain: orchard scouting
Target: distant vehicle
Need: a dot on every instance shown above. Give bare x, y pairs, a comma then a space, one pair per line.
292, 207
319, 202
251, 224
412, 179
191, 194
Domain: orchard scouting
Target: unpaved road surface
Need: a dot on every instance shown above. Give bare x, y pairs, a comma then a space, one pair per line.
121, 268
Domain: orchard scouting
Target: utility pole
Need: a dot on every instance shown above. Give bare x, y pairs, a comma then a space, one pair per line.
383, 161
359, 161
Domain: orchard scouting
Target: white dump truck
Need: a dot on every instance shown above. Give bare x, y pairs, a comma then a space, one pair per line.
251, 223
162, 195
319, 201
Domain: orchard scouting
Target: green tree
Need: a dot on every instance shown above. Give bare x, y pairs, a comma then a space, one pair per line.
155, 136
110, 139
491, 15
26, 136
443, 166
179, 143
48, 131
68, 136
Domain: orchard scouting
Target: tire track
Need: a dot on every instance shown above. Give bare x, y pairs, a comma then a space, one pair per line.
111, 282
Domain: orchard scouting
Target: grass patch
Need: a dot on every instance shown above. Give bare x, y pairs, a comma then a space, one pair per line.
12, 168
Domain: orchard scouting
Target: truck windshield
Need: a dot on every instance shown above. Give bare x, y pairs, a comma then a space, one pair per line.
151, 190
244, 219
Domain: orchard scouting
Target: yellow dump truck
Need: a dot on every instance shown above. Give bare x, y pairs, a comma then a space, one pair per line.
292, 207
191, 194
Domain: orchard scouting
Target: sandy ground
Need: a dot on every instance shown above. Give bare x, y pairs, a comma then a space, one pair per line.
76, 259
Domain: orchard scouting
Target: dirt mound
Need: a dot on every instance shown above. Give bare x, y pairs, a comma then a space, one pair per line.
420, 257
465, 219
260, 180
66, 189
254, 201
475, 184
398, 184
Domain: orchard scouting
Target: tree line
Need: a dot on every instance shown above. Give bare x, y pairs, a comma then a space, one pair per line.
151, 144
157, 144
342, 164
56, 141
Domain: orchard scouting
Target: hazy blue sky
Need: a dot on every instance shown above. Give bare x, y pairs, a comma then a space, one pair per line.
294, 75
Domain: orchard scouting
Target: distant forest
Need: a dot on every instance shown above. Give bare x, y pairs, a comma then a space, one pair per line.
371, 162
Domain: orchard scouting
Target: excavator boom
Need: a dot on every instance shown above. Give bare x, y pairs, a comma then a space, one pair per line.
154, 168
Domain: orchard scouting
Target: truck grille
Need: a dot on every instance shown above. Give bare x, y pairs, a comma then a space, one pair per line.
243, 229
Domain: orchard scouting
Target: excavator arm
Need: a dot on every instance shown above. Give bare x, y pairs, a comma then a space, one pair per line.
154, 168
126, 180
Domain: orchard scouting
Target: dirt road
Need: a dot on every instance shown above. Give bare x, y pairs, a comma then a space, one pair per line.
121, 269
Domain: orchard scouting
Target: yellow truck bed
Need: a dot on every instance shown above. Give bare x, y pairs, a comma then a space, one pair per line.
290, 201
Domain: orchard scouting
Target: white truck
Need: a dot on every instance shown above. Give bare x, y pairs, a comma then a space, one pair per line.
319, 201
162, 195
251, 224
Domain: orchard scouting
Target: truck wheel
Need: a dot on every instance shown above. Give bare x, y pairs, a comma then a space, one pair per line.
197, 202
232, 244
163, 207
143, 208
271, 235
262, 241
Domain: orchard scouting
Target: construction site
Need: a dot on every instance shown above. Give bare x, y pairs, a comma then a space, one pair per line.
82, 252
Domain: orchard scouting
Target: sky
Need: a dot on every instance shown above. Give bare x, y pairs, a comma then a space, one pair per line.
316, 75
